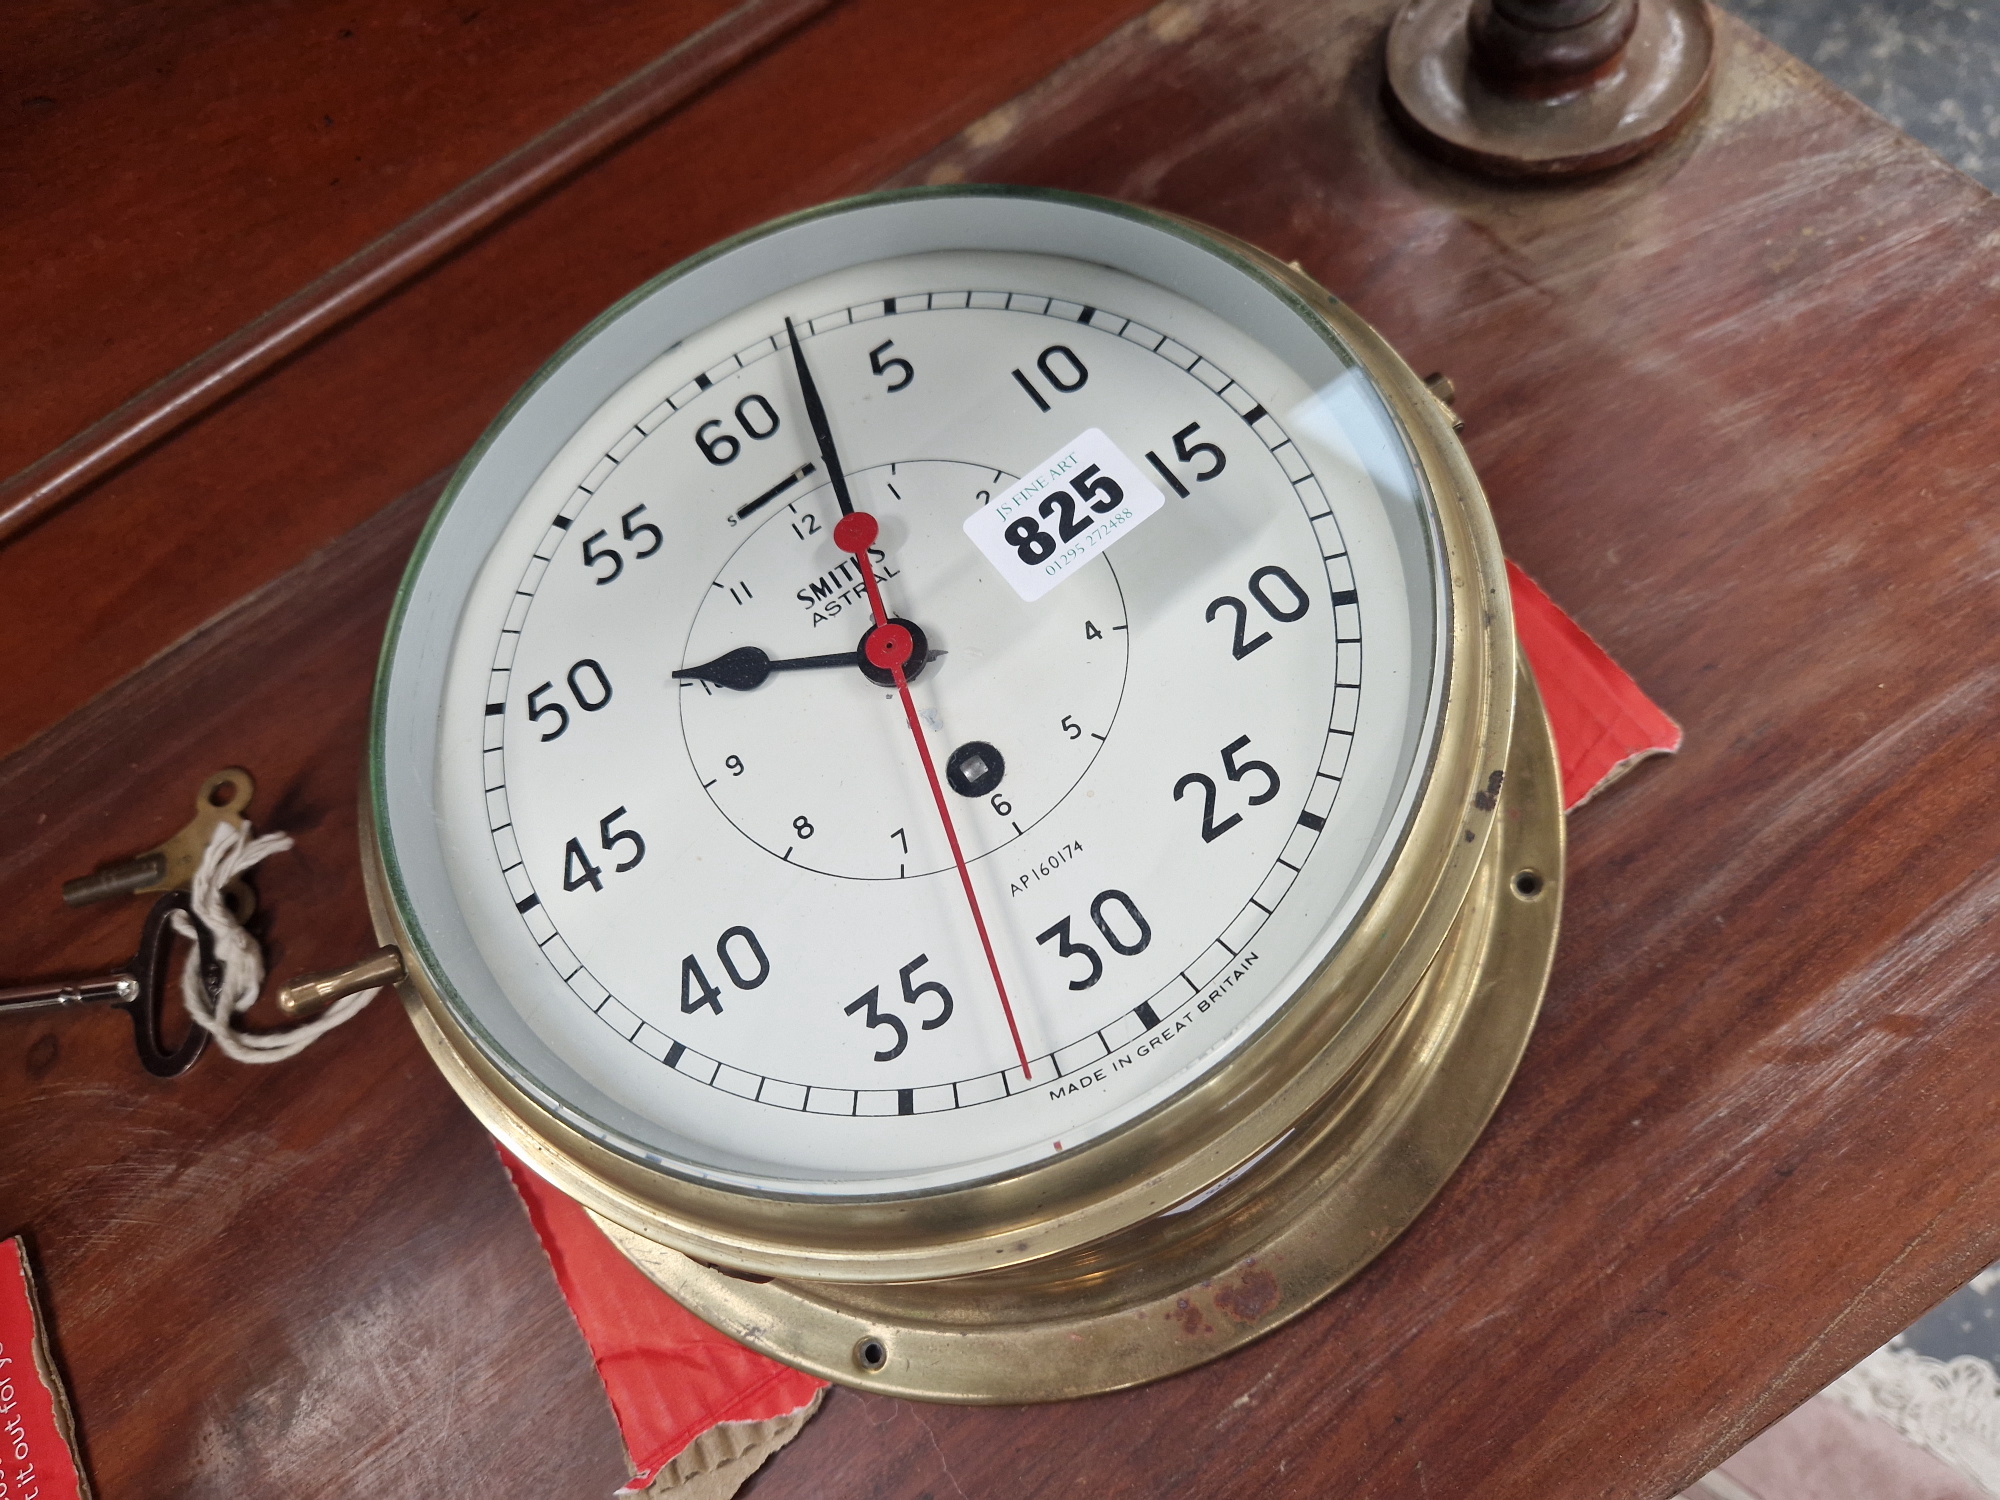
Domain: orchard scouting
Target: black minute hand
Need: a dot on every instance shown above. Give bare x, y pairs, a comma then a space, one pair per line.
822, 433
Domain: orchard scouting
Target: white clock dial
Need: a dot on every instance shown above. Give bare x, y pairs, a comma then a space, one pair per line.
718, 915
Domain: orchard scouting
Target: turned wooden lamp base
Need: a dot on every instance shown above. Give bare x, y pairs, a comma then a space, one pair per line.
1588, 96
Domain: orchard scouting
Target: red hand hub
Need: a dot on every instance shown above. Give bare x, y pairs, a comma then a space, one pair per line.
856, 533
888, 646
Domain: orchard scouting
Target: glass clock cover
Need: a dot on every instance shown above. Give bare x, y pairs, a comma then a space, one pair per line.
661, 828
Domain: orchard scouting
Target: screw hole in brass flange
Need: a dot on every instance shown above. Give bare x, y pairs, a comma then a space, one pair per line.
1529, 885
871, 1354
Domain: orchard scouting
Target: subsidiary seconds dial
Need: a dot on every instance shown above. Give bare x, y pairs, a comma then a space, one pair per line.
1020, 700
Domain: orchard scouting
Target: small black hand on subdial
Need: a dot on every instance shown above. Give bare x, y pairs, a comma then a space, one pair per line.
747, 666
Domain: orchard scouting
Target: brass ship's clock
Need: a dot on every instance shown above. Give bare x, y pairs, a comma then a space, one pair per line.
956, 769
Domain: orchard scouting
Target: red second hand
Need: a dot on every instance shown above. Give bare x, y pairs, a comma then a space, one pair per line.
889, 646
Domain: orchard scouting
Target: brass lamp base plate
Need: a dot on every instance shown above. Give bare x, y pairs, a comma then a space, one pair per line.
1233, 1263
1438, 99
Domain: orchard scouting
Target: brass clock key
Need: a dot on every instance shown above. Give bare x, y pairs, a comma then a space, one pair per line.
222, 798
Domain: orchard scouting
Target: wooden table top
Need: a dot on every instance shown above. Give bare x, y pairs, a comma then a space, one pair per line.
1732, 407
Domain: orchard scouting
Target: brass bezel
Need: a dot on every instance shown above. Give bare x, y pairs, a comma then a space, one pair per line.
1413, 986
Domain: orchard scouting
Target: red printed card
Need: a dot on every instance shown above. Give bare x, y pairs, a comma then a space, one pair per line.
37, 1457
669, 1375
1603, 723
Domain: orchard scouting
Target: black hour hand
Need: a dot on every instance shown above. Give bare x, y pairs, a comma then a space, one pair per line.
746, 667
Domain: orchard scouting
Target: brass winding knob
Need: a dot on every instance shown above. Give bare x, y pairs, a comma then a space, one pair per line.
310, 994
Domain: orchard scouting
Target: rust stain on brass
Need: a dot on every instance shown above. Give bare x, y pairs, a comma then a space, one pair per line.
1253, 1294
1191, 1318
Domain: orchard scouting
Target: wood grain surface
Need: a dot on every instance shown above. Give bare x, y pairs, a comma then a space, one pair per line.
307, 1279
228, 504
1729, 406
173, 170
441, 228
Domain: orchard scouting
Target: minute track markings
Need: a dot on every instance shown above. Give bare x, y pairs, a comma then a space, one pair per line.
967, 1092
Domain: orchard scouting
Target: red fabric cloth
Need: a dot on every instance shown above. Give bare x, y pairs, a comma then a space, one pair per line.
1603, 724
671, 1377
